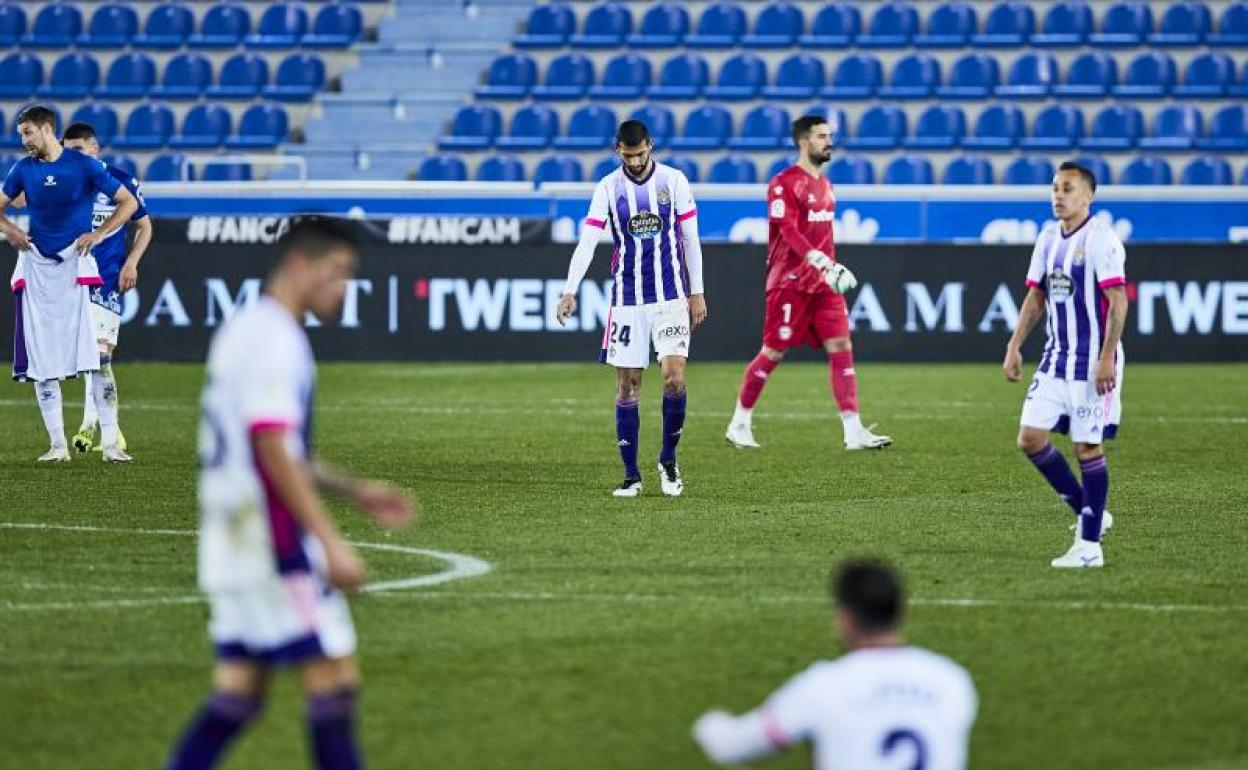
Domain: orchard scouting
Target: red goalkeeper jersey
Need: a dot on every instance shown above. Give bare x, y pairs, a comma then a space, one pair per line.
799, 216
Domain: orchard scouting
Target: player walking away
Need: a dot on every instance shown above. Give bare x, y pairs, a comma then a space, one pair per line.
53, 335
270, 560
882, 705
805, 288
1077, 277
658, 296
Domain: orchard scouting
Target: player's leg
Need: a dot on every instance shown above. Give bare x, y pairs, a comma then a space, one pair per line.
106, 325
48, 393
675, 401
1045, 410
781, 313
84, 439
628, 428
1088, 420
104, 390
331, 689
830, 322
238, 690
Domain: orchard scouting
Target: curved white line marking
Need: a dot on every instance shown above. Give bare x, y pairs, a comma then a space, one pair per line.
460, 567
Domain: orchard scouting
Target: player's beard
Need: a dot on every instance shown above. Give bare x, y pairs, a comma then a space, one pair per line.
819, 158
34, 151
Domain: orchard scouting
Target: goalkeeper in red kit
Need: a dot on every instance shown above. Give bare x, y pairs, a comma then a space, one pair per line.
805, 287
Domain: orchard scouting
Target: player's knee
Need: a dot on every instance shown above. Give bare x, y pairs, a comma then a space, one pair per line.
1031, 441
840, 345
1087, 452
773, 355
673, 382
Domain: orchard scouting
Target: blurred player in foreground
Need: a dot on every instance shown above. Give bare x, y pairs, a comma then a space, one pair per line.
881, 705
658, 296
272, 563
1078, 278
805, 288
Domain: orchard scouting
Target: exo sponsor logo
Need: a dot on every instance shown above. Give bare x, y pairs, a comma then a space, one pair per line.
675, 330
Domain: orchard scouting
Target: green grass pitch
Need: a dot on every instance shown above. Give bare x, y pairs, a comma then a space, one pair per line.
608, 625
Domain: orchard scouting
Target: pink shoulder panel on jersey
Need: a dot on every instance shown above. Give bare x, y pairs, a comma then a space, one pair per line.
266, 423
1110, 283
600, 224
772, 729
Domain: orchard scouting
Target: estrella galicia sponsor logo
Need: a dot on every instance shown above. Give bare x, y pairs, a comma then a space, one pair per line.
645, 225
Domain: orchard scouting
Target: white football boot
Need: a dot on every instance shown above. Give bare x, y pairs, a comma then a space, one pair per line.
1107, 523
630, 488
863, 438
57, 454
1082, 555
741, 435
670, 479
115, 454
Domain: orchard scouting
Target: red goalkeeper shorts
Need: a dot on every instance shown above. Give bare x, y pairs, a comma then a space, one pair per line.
794, 318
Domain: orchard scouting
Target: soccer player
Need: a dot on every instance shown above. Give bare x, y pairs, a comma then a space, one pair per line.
882, 705
53, 338
271, 561
805, 288
658, 295
1077, 277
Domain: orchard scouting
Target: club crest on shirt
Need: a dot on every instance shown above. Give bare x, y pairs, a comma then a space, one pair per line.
1060, 286
645, 225
1079, 256
664, 197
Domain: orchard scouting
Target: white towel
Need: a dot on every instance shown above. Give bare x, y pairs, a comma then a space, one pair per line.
52, 335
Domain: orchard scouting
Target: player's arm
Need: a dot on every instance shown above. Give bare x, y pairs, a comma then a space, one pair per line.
12, 191
387, 505
687, 221
782, 207
19, 202
1028, 316
129, 276
729, 740
1115, 321
591, 231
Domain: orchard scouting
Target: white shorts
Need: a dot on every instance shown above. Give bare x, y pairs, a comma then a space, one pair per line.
106, 323
1073, 406
633, 329
287, 620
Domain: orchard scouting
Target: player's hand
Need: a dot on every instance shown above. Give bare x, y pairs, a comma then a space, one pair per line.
819, 260
389, 506
697, 309
839, 278
346, 569
1106, 376
128, 279
86, 242
1013, 365
19, 239
565, 309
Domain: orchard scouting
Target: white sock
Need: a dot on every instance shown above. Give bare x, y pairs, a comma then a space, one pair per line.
105, 393
49, 394
89, 415
742, 416
851, 423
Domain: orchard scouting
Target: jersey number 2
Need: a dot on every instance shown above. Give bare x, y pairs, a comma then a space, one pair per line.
896, 738
621, 334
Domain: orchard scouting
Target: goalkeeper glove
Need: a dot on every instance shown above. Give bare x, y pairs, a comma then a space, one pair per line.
840, 278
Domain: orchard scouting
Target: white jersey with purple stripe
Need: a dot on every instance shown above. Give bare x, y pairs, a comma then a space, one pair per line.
260, 376
644, 217
1074, 271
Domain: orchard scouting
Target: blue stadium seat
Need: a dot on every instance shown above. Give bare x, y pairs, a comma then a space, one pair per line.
205, 127
12, 26
558, 168
1243, 179
857, 76
500, 168
1241, 88
733, 169
939, 127
799, 77
777, 26
1232, 27
1116, 127
225, 172
262, 127
57, 25
1099, 168
102, 118
915, 76
606, 26
968, 169
1183, 24
73, 77
766, 127
881, 127
243, 76
1091, 76
685, 165
113, 25
1124, 25
299, 77
126, 163
835, 26
998, 127
838, 125
909, 169
475, 127
607, 165
893, 25
148, 127
851, 169
1228, 130
336, 26
1207, 171
223, 26
282, 25
1029, 170
591, 127
168, 26
950, 26
130, 76
1066, 25
741, 77
549, 26
778, 166
974, 76
1207, 76
1057, 127
625, 77
442, 168
1009, 25
20, 75
721, 26
533, 127
186, 76
1150, 75
567, 78
683, 77
1031, 76
658, 119
663, 26
1175, 127
510, 77
168, 168
1147, 169
706, 128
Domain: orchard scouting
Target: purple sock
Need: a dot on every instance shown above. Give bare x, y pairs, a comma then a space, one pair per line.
331, 718
627, 429
218, 723
1053, 466
673, 424
1095, 491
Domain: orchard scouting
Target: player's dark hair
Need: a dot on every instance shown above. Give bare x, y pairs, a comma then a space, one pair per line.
1084, 172
79, 130
632, 133
870, 591
38, 115
316, 236
804, 125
